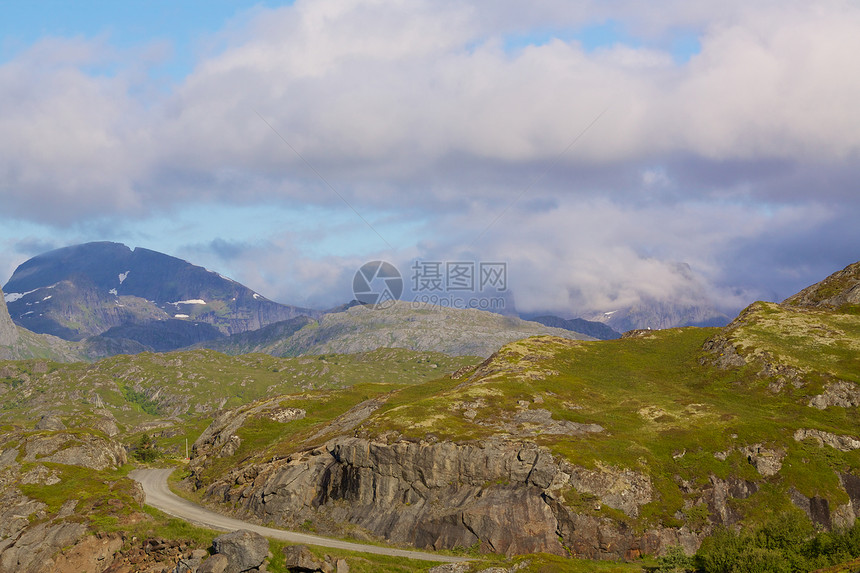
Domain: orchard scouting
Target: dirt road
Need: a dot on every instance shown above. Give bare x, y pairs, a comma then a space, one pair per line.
158, 495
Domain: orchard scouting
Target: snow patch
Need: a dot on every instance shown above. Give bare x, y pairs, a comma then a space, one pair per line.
13, 296
610, 313
47, 297
192, 301
112, 291
123, 276
180, 316
257, 297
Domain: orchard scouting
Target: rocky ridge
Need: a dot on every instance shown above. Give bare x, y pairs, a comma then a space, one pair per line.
8, 330
456, 332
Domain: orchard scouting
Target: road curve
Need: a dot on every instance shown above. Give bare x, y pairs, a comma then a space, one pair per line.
159, 496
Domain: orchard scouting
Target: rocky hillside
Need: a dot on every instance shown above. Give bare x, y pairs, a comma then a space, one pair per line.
8, 330
590, 328
19, 343
841, 290
595, 449
456, 332
87, 290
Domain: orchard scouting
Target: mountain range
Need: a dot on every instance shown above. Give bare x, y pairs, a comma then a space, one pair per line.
739, 444
101, 299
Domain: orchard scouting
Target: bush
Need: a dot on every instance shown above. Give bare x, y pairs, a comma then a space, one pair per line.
146, 449
786, 544
675, 561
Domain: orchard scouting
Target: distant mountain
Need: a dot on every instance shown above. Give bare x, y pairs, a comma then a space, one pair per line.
456, 332
162, 302
257, 340
591, 328
657, 315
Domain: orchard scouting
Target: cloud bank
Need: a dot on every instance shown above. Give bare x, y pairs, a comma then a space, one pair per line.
481, 129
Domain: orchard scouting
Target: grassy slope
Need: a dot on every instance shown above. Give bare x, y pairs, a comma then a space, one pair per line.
150, 387
667, 410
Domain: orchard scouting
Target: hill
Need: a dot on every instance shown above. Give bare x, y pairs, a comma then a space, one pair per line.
609, 449
456, 332
86, 290
590, 328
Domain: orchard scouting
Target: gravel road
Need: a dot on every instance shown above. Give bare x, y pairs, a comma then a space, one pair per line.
158, 495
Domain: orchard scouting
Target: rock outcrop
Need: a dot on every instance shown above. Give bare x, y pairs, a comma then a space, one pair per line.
504, 497
244, 550
76, 449
8, 330
839, 289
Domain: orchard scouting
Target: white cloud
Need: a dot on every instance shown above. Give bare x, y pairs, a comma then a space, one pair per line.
419, 106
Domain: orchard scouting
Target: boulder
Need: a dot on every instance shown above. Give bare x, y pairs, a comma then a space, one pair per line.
299, 559
244, 550
50, 422
215, 564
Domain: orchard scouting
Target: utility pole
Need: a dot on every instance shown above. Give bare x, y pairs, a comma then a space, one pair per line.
186, 450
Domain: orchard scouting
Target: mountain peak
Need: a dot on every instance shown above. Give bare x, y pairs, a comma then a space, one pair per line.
839, 289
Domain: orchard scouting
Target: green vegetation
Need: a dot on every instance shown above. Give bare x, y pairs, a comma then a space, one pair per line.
786, 543
146, 450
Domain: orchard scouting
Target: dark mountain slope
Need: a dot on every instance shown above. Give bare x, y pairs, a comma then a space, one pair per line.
591, 328
85, 290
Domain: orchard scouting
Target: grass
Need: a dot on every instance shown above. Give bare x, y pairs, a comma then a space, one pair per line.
666, 413
146, 387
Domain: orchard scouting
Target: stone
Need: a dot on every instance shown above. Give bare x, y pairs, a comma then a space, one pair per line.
215, 564
50, 422
245, 550
32, 552
300, 559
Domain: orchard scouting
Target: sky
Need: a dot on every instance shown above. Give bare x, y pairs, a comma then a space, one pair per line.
590, 146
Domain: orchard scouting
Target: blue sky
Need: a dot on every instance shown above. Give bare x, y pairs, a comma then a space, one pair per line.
610, 141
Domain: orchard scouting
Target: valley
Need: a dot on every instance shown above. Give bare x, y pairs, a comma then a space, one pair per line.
550, 452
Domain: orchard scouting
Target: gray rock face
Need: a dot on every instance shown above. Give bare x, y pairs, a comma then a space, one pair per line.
502, 496
244, 550
8, 330
841, 443
215, 564
50, 422
83, 450
300, 558
32, 552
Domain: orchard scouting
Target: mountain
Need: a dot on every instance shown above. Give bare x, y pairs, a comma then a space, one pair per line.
160, 301
657, 315
456, 332
591, 328
686, 302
